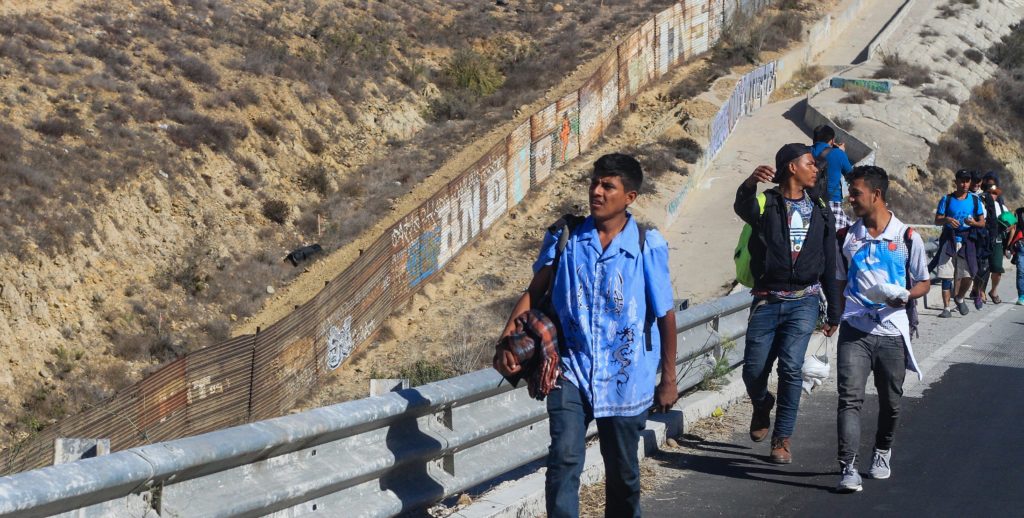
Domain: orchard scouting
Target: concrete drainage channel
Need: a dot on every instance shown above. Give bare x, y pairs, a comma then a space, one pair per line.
525, 496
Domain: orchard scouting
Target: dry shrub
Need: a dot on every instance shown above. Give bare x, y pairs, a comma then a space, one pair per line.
276, 211
58, 127
1009, 52
974, 55
196, 130
195, 69
940, 93
656, 158
314, 140
857, 94
316, 178
268, 126
893, 67
845, 123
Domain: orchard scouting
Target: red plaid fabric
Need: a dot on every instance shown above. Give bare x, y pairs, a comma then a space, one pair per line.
534, 342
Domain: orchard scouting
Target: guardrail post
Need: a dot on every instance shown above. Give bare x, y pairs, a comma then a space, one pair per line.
446, 419
69, 450
715, 324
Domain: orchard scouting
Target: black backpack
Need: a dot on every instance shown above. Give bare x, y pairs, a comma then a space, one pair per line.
820, 188
568, 223
911, 307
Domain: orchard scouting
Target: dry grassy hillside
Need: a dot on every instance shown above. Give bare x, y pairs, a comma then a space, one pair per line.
988, 134
158, 159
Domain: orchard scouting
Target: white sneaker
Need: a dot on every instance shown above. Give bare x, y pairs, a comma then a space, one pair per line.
850, 483
880, 464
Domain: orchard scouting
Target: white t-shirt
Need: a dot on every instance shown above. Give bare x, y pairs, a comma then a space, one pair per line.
878, 260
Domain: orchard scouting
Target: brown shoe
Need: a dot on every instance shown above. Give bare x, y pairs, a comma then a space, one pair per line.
780, 451
761, 420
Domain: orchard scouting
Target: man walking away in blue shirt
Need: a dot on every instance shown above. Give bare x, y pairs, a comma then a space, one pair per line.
792, 256
613, 297
880, 258
837, 164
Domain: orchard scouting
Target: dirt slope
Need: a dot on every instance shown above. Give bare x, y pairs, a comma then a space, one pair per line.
159, 159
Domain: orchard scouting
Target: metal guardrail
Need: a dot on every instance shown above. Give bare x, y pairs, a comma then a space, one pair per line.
377, 456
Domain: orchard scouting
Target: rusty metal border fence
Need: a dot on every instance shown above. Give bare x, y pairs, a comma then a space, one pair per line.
255, 377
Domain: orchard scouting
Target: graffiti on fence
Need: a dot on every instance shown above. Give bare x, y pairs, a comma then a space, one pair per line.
568, 129
203, 388
518, 164
875, 85
342, 339
272, 370
752, 91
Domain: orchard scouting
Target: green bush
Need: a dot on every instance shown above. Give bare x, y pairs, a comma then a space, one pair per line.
425, 371
475, 72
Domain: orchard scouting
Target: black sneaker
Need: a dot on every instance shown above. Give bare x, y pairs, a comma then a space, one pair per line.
945, 313
961, 306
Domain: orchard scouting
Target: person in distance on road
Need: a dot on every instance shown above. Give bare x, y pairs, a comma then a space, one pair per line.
992, 269
612, 295
836, 164
791, 259
879, 259
956, 263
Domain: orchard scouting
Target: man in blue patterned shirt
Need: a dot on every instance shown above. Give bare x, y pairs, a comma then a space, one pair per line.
613, 297
878, 251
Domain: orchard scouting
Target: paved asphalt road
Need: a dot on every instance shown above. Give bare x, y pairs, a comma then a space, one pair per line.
959, 447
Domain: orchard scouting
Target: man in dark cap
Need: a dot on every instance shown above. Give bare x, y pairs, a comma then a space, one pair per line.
793, 260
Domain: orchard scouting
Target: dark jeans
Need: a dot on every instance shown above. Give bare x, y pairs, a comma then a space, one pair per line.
779, 330
861, 354
569, 413
1020, 279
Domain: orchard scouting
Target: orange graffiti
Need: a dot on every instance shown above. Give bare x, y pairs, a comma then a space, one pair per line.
564, 135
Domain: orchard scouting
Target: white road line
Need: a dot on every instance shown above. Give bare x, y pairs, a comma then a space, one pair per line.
934, 366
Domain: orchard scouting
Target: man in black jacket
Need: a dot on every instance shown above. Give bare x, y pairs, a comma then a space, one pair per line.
793, 261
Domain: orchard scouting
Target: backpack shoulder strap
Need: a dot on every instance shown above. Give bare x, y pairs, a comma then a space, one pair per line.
841, 239
913, 319
908, 241
567, 223
841, 235
825, 152
649, 316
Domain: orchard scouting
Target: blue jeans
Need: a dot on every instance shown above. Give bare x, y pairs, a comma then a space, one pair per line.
1020, 279
779, 330
859, 355
569, 413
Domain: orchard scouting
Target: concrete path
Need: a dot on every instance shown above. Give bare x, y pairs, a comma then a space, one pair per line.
704, 235
957, 450
852, 46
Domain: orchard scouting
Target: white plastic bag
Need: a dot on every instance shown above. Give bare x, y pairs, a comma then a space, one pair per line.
816, 367
884, 292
